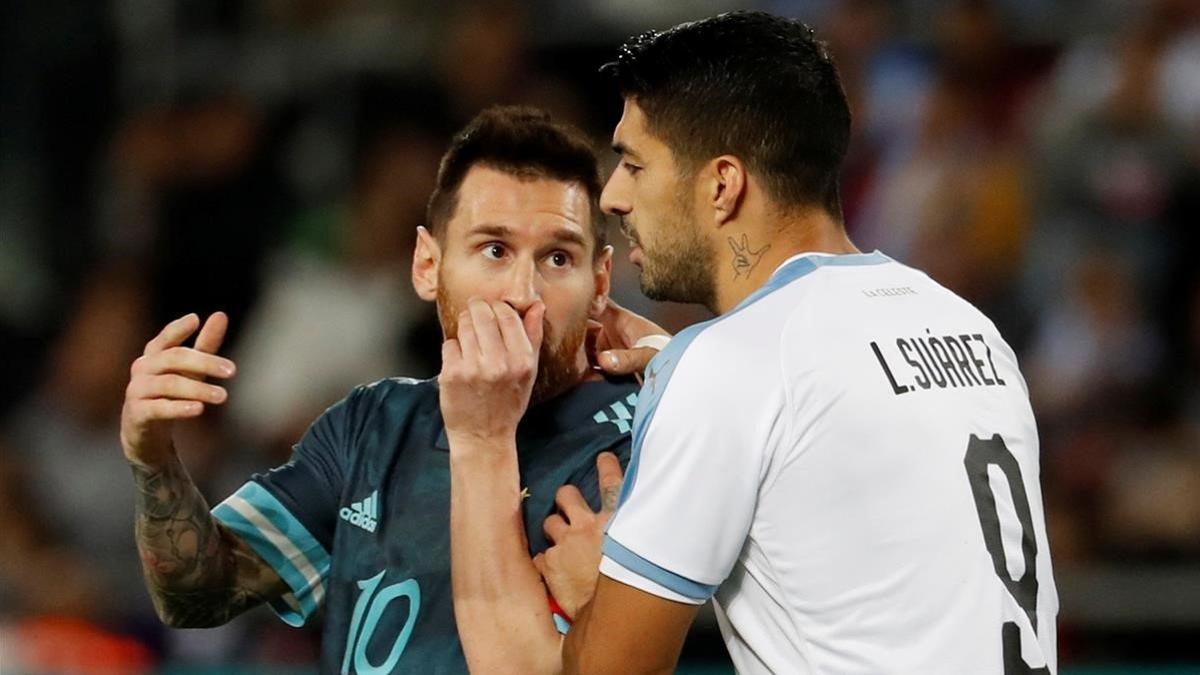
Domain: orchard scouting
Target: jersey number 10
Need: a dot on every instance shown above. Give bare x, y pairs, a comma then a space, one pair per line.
356, 641
980, 455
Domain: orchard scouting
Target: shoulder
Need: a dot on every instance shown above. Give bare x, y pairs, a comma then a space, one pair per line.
394, 390
383, 401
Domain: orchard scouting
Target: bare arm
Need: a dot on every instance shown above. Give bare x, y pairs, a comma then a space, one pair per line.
499, 600
500, 605
197, 572
627, 631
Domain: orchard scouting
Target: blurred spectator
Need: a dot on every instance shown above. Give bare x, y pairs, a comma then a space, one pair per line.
273, 158
338, 309
200, 196
67, 471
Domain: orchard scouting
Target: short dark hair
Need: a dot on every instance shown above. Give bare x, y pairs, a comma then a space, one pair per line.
523, 142
749, 84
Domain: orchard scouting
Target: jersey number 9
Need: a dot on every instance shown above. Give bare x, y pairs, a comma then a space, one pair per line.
980, 455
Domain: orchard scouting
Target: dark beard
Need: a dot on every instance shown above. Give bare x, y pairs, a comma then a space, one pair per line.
557, 366
679, 274
680, 268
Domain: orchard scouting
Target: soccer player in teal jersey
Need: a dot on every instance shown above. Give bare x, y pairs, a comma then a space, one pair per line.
358, 524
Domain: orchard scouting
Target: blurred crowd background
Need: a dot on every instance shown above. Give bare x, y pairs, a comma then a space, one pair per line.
272, 158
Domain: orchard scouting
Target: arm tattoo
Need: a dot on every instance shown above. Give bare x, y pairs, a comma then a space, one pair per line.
198, 573
745, 259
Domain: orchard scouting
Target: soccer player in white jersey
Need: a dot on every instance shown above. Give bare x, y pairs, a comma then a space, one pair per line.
844, 460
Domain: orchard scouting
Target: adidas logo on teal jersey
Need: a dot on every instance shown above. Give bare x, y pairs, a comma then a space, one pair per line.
618, 413
364, 514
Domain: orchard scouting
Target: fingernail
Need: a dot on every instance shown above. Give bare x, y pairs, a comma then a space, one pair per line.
611, 360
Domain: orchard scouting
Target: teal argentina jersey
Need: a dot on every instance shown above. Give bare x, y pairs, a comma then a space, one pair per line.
358, 522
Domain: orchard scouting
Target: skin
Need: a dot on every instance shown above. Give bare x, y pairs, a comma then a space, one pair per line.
198, 573
514, 270
728, 212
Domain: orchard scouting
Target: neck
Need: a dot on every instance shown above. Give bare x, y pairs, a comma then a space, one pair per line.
750, 253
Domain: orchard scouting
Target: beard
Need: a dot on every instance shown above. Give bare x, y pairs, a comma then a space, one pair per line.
679, 266
558, 365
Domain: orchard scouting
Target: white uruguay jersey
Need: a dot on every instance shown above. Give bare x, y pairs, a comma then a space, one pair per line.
847, 463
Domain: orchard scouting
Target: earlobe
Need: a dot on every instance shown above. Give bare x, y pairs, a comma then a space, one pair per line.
427, 257
603, 275
729, 187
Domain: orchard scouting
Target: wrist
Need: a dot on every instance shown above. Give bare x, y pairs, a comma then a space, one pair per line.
152, 461
468, 444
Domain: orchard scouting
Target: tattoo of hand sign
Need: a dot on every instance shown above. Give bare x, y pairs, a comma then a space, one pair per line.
745, 259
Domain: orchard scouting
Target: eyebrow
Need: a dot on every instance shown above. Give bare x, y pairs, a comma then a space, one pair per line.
622, 149
560, 234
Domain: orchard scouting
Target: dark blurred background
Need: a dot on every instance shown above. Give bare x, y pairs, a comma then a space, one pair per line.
271, 158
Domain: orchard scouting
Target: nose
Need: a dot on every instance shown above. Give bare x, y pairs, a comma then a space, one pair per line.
521, 286
613, 199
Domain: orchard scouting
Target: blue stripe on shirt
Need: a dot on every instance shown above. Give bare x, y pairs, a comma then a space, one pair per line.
662, 366
658, 574
266, 525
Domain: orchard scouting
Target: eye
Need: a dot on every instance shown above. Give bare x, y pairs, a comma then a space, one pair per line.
633, 169
493, 251
559, 259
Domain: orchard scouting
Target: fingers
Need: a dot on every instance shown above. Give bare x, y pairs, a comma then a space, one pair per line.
555, 527
164, 409
626, 361
610, 478
512, 331
213, 333
451, 354
173, 334
487, 331
494, 341
571, 503
184, 361
176, 387
467, 342
534, 327
623, 327
539, 563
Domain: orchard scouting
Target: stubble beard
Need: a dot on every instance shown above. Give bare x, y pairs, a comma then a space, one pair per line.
558, 365
679, 266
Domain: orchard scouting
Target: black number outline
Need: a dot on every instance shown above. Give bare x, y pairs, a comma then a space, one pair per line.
980, 455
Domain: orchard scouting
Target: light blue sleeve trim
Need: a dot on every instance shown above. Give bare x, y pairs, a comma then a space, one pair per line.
652, 572
660, 369
561, 625
268, 527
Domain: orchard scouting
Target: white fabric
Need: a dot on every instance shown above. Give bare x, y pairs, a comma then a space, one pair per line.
657, 342
775, 458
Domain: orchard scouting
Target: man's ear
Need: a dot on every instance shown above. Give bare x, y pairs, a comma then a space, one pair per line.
725, 187
427, 257
602, 272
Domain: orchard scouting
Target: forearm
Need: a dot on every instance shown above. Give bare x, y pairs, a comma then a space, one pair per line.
500, 604
197, 573
624, 630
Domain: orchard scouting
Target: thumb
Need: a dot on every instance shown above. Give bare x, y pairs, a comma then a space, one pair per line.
533, 324
539, 563
608, 471
626, 361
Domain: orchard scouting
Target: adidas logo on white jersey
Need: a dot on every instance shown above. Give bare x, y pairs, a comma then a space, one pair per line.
364, 514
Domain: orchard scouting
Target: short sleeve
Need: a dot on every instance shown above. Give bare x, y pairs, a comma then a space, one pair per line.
699, 439
288, 515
